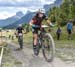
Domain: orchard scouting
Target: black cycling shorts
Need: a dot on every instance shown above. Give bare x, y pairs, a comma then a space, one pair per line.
69, 31
35, 30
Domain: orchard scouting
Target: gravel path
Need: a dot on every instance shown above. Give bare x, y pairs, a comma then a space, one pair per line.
25, 56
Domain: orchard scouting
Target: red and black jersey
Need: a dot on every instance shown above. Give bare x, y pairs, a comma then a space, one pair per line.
38, 20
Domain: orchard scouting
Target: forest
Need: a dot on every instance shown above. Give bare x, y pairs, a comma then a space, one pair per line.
64, 13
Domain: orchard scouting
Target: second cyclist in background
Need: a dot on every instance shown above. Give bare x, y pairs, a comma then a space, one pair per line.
19, 34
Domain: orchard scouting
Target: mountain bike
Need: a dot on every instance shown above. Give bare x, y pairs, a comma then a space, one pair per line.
20, 40
46, 43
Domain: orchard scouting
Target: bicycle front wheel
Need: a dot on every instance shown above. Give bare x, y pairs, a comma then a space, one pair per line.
48, 47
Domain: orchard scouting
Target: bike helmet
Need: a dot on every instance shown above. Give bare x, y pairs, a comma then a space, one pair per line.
20, 25
42, 11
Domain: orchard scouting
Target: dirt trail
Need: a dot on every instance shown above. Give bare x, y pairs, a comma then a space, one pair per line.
25, 56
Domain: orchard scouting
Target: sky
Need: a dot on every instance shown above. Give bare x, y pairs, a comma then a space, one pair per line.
9, 8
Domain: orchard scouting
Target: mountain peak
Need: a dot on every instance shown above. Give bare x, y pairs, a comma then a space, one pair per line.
19, 13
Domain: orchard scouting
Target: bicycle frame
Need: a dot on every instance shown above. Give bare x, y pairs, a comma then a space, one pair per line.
40, 35
41, 38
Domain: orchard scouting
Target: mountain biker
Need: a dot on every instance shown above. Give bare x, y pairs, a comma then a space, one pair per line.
36, 23
20, 32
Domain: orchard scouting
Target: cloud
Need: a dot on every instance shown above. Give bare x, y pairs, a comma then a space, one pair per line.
5, 14
10, 11
10, 7
25, 3
13, 9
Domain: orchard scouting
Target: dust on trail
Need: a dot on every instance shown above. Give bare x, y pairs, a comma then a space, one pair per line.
27, 60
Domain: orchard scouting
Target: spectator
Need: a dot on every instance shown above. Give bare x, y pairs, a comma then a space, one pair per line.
58, 32
69, 29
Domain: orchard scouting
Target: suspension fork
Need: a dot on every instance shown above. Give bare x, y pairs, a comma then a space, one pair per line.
42, 34
41, 39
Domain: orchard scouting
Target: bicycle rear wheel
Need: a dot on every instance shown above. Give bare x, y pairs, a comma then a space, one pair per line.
20, 40
48, 47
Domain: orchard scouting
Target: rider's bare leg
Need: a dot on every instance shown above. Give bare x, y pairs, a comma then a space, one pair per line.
35, 37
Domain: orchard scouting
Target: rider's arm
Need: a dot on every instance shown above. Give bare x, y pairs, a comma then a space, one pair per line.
31, 23
49, 22
16, 32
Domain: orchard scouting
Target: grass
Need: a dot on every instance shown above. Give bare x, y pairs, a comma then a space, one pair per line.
63, 39
3, 44
9, 60
28, 38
